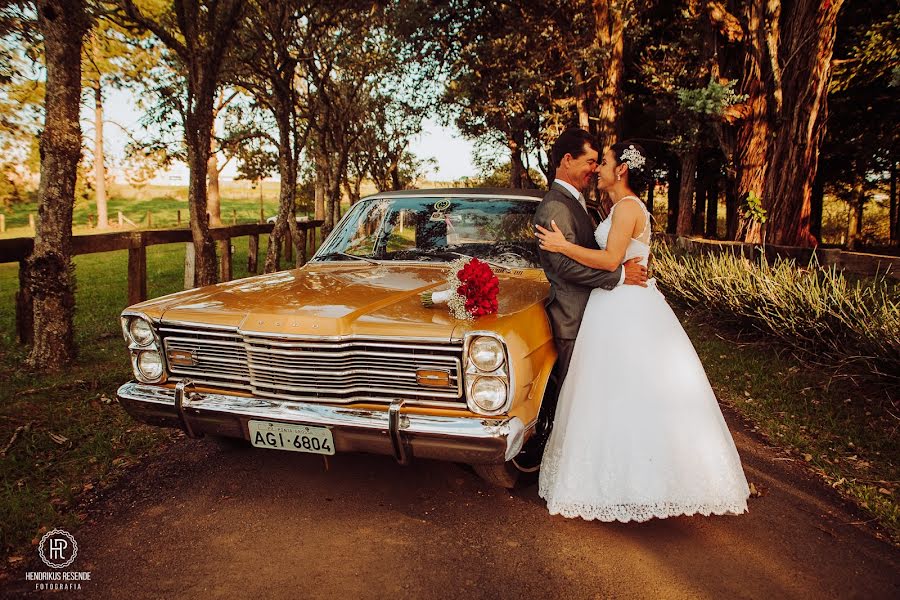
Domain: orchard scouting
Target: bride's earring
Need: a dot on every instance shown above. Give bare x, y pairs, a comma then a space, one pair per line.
618, 177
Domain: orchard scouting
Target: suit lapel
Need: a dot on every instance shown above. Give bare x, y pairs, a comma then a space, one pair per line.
584, 227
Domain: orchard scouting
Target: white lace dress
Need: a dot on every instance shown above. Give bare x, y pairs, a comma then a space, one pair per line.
638, 432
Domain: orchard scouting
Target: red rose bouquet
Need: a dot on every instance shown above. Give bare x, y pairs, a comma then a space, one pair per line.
473, 290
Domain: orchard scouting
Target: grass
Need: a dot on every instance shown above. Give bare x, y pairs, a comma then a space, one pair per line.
73, 438
844, 429
239, 204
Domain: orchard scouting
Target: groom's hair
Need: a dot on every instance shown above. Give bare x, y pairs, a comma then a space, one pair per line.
571, 141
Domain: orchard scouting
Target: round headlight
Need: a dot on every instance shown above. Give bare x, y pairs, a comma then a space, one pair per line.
140, 331
486, 353
489, 393
150, 365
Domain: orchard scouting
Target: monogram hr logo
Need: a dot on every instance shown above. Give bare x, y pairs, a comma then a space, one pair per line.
58, 549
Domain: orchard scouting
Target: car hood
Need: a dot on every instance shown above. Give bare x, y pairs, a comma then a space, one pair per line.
341, 299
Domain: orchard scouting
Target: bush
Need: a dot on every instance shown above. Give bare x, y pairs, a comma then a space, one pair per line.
817, 312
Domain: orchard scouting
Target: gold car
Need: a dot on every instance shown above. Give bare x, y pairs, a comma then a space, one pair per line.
341, 355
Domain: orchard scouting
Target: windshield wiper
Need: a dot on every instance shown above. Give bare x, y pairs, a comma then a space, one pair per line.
345, 255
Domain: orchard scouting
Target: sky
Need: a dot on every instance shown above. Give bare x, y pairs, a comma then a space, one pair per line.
452, 153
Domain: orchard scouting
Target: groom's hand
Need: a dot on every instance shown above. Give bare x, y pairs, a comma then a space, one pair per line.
635, 273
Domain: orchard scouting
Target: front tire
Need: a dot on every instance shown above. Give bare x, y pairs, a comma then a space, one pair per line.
527, 463
504, 475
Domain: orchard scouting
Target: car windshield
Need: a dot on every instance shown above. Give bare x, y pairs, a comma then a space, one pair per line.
437, 229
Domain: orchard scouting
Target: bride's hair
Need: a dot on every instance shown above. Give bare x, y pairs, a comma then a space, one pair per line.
634, 155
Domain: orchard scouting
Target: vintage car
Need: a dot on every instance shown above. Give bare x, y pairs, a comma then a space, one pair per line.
342, 356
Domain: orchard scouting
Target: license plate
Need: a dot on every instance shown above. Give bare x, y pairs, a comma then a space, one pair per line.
284, 436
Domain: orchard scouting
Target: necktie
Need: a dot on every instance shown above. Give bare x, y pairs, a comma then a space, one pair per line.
582, 202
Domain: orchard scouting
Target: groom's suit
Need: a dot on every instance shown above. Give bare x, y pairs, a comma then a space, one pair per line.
570, 282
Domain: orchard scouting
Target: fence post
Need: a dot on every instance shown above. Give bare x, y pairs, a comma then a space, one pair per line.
149, 219
253, 254
190, 264
137, 269
225, 261
179, 217
121, 219
31, 221
2, 223
91, 221
234, 216
24, 306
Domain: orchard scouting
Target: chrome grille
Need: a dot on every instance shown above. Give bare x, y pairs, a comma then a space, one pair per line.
292, 369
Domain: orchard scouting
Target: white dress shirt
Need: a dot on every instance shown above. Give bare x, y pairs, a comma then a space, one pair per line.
578, 195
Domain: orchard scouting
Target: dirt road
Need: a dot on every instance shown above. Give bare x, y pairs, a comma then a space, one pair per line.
208, 522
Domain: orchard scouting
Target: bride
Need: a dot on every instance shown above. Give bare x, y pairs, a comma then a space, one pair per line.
619, 452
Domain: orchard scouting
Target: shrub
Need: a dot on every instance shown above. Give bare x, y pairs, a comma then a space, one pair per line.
817, 312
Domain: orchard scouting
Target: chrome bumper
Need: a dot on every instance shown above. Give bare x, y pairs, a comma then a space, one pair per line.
459, 439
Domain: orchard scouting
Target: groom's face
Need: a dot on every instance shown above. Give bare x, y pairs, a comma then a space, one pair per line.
580, 170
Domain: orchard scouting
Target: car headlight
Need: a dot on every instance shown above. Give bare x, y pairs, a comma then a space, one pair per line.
140, 331
148, 365
489, 393
486, 353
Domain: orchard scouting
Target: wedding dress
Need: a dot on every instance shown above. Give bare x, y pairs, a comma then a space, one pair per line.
638, 432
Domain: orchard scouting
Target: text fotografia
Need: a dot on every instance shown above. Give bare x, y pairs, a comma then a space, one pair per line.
57, 580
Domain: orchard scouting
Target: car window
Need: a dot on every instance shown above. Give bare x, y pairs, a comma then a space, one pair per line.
430, 229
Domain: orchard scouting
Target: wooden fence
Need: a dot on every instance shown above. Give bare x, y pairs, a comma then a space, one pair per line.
859, 263
136, 242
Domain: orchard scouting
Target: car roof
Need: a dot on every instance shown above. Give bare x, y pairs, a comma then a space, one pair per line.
463, 192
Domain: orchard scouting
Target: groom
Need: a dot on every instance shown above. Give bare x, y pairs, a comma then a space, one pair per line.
574, 155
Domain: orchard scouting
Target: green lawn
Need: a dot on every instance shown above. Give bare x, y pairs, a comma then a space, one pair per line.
163, 203
74, 436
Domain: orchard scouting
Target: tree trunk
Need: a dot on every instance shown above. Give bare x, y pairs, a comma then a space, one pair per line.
99, 167
817, 202
732, 219
51, 276
752, 145
286, 223
697, 225
895, 206
610, 28
213, 202
517, 173
99, 157
855, 222
712, 208
320, 187
806, 49
198, 125
688, 170
673, 182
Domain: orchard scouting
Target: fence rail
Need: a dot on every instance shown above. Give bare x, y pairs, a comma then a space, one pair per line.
136, 242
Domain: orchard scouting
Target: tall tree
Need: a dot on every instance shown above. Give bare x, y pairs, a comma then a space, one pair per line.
784, 68
62, 25
200, 33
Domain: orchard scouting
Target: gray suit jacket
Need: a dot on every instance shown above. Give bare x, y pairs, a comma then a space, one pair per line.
570, 282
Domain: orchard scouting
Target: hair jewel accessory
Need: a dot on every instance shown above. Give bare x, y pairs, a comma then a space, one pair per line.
633, 158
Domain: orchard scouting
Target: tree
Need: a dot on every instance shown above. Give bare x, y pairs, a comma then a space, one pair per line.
784, 67
51, 280
860, 152
200, 33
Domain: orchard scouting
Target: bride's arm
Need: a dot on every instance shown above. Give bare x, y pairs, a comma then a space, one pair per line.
623, 224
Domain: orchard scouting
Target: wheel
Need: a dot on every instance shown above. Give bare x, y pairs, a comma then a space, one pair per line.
504, 475
528, 460
526, 464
